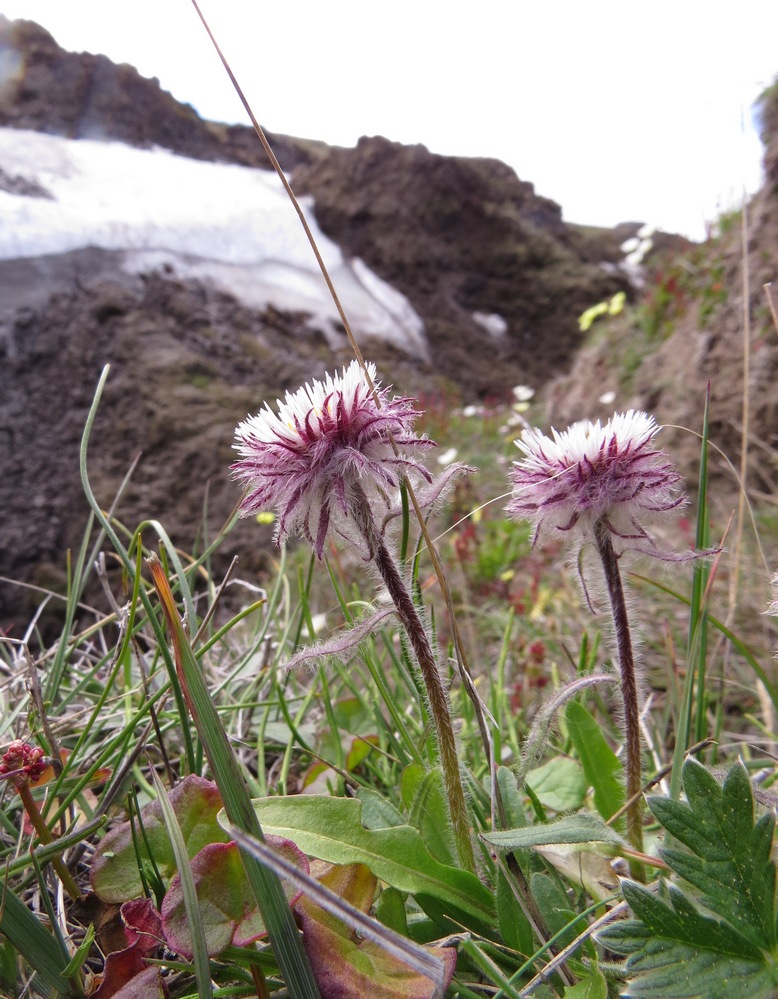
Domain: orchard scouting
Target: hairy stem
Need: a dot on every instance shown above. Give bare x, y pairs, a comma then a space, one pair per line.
629, 691
436, 691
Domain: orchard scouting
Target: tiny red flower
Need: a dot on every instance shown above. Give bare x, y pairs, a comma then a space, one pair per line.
22, 763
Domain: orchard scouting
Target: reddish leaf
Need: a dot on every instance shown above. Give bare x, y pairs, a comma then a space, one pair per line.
227, 903
148, 984
348, 968
143, 925
126, 973
195, 801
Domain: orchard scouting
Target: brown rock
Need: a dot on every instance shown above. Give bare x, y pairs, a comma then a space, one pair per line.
461, 237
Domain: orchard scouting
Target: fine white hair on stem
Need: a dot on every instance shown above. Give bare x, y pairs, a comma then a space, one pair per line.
536, 737
344, 644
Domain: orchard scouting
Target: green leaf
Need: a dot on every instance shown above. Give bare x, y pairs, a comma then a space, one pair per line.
332, 830
554, 906
594, 987
350, 967
559, 784
581, 828
729, 859
195, 801
76, 963
377, 811
514, 926
343, 883
390, 910
429, 814
35, 943
677, 951
410, 782
601, 766
267, 888
511, 799
189, 902
230, 913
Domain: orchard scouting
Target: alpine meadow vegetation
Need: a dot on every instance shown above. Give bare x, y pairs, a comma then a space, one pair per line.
492, 726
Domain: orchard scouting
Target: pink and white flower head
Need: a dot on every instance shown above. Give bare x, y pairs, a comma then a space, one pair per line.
326, 441
590, 473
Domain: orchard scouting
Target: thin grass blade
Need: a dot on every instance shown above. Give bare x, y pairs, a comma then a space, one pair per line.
202, 965
36, 945
416, 957
275, 910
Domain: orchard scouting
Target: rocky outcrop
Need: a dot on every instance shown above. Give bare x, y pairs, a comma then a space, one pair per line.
464, 240
493, 270
85, 96
186, 365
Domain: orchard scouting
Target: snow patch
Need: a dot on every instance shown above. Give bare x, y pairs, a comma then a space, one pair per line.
230, 225
495, 325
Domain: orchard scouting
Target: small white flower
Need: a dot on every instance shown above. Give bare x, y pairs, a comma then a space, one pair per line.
522, 393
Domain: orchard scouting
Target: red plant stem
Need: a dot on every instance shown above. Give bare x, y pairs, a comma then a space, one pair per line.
436, 691
629, 692
44, 834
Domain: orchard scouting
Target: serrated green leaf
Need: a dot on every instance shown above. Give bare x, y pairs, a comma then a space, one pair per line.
675, 951
729, 859
602, 768
332, 830
581, 828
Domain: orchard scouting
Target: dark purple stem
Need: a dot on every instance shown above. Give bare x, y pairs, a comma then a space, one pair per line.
436, 691
629, 691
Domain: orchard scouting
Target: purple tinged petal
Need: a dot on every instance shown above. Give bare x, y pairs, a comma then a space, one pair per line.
303, 459
591, 473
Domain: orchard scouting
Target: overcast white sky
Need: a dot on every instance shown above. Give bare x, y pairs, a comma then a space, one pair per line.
617, 110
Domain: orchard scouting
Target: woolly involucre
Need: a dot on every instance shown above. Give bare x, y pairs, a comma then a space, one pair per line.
590, 473
306, 459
